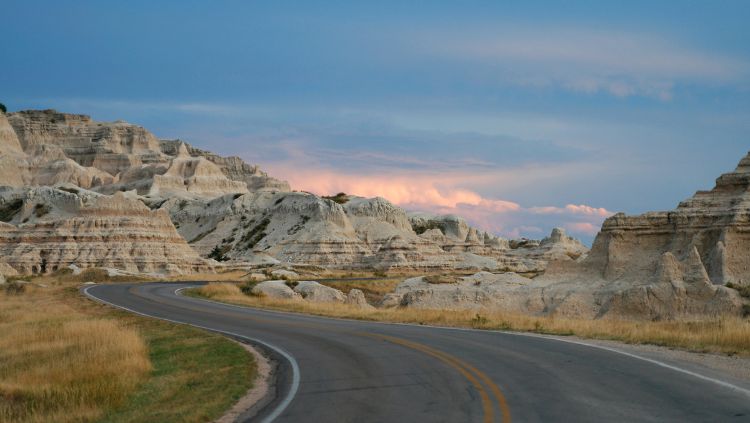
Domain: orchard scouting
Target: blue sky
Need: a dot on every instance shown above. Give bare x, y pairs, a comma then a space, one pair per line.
519, 115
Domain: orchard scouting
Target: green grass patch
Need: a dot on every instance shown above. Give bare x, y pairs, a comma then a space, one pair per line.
196, 377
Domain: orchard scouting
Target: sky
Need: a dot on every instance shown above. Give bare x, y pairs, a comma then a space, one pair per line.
517, 115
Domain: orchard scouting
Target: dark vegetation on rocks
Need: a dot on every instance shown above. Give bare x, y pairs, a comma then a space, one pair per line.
340, 198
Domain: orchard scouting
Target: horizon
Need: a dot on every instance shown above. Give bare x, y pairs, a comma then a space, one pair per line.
518, 118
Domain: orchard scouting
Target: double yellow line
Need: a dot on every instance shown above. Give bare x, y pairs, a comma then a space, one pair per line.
476, 377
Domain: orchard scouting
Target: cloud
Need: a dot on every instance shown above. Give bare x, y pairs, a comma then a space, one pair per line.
580, 209
589, 61
582, 228
441, 193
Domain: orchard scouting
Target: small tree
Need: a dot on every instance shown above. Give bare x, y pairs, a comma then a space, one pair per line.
3, 108
219, 253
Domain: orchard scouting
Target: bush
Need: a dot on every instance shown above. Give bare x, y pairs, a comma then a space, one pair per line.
254, 235
9, 210
479, 321
290, 284
219, 253
15, 288
340, 198
41, 209
744, 290
440, 279
3, 108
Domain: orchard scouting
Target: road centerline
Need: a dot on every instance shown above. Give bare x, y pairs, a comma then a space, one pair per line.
470, 372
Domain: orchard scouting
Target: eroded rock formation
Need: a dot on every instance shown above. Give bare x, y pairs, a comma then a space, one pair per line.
228, 210
353, 233
659, 265
108, 157
46, 229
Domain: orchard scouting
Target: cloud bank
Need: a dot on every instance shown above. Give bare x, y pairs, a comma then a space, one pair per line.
441, 193
620, 64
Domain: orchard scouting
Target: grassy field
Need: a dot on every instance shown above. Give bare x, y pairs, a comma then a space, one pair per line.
64, 358
725, 335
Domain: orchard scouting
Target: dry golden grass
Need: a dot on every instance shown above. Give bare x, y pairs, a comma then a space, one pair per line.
374, 290
58, 364
99, 275
65, 358
724, 335
440, 279
220, 290
66, 276
229, 275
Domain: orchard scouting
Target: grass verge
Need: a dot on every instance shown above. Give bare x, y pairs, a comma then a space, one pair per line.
64, 358
723, 335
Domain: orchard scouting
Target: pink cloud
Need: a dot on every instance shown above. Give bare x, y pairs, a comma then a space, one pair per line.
588, 210
581, 209
582, 227
441, 193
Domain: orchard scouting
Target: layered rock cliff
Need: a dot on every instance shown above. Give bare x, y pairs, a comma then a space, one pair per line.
229, 210
716, 223
45, 229
118, 156
658, 265
351, 232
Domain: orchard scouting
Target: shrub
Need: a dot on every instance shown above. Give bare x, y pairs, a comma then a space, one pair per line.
219, 253
254, 235
10, 209
299, 225
340, 198
41, 210
290, 284
247, 288
3, 108
14, 288
419, 229
744, 290
440, 279
479, 321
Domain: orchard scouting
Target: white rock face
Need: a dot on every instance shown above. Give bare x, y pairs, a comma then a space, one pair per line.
362, 233
275, 289
678, 295
483, 290
659, 265
9, 143
356, 297
315, 292
228, 210
117, 156
6, 270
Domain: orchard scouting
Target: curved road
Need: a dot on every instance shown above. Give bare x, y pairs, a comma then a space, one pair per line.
334, 370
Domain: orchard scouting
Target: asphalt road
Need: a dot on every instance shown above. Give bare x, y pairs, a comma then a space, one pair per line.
334, 370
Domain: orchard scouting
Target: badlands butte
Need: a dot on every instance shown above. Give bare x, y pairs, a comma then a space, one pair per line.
76, 193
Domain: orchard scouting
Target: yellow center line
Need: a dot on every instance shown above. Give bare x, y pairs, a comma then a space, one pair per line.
470, 372
466, 370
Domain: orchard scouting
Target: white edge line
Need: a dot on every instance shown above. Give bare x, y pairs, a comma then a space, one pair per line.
531, 335
295, 366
